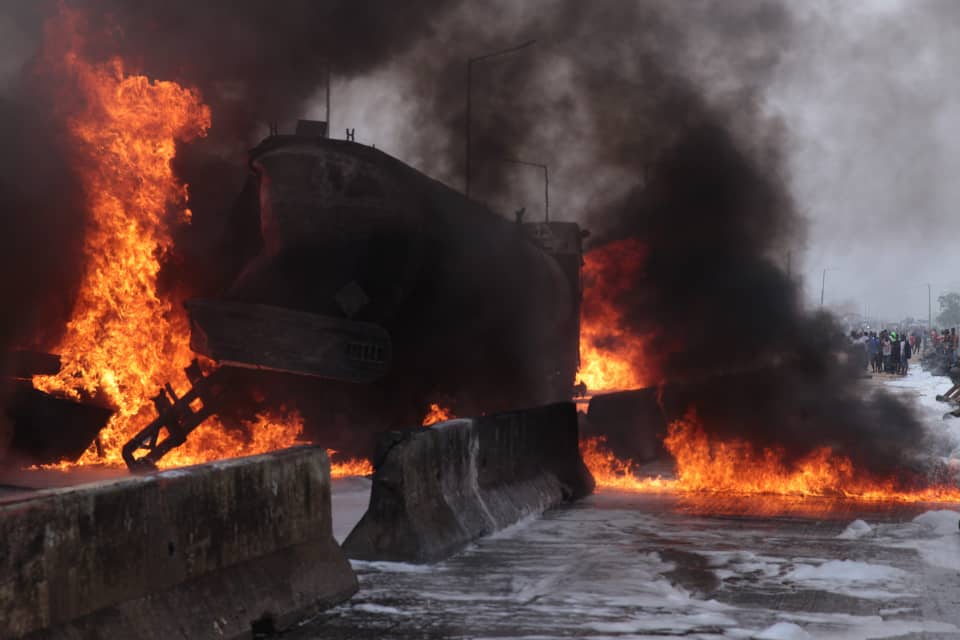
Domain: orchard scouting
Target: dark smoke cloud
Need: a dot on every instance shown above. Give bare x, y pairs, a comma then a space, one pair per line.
730, 337
256, 62
41, 203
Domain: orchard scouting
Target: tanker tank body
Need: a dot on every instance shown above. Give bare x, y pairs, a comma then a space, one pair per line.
482, 314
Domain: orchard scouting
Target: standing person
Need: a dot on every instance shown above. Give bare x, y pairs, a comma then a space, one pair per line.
864, 350
895, 353
879, 337
885, 349
873, 351
905, 354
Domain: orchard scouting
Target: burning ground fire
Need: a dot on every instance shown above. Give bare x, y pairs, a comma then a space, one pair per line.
708, 465
350, 467
610, 354
613, 359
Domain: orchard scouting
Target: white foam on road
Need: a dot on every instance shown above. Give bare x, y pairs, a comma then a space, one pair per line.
784, 631
623, 566
390, 567
921, 388
941, 523
856, 529
852, 578
934, 535
850, 627
620, 566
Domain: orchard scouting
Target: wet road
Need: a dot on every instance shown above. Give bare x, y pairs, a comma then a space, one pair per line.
634, 566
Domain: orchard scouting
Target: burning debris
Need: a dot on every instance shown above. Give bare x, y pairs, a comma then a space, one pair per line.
436, 414
35, 419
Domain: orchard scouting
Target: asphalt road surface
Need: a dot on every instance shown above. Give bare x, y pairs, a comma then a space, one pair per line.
622, 565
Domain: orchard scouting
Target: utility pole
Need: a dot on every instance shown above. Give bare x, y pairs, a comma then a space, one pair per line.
329, 129
823, 283
823, 286
470, 62
929, 310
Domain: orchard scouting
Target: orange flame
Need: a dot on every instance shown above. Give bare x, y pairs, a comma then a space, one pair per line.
126, 338
708, 465
611, 356
610, 472
437, 414
349, 467
212, 441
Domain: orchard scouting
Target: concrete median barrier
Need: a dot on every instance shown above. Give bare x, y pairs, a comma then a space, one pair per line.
436, 489
210, 551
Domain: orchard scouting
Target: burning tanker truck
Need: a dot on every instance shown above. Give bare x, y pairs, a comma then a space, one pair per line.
377, 292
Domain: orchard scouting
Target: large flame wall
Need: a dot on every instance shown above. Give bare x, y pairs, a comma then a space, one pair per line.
127, 337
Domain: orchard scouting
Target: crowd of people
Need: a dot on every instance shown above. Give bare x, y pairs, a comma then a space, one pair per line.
890, 351
944, 346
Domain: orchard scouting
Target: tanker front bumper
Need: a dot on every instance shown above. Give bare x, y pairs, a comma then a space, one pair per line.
258, 336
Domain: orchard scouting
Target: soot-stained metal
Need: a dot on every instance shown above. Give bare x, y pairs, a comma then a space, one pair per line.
379, 288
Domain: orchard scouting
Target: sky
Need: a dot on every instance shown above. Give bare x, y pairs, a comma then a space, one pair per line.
872, 104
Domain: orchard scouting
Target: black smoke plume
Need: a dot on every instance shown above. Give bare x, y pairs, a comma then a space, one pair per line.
729, 337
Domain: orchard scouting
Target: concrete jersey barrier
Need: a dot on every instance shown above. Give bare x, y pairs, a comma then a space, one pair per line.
200, 552
436, 489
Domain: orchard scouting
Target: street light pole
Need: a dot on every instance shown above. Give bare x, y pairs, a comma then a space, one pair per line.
546, 184
470, 62
929, 310
329, 127
823, 283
